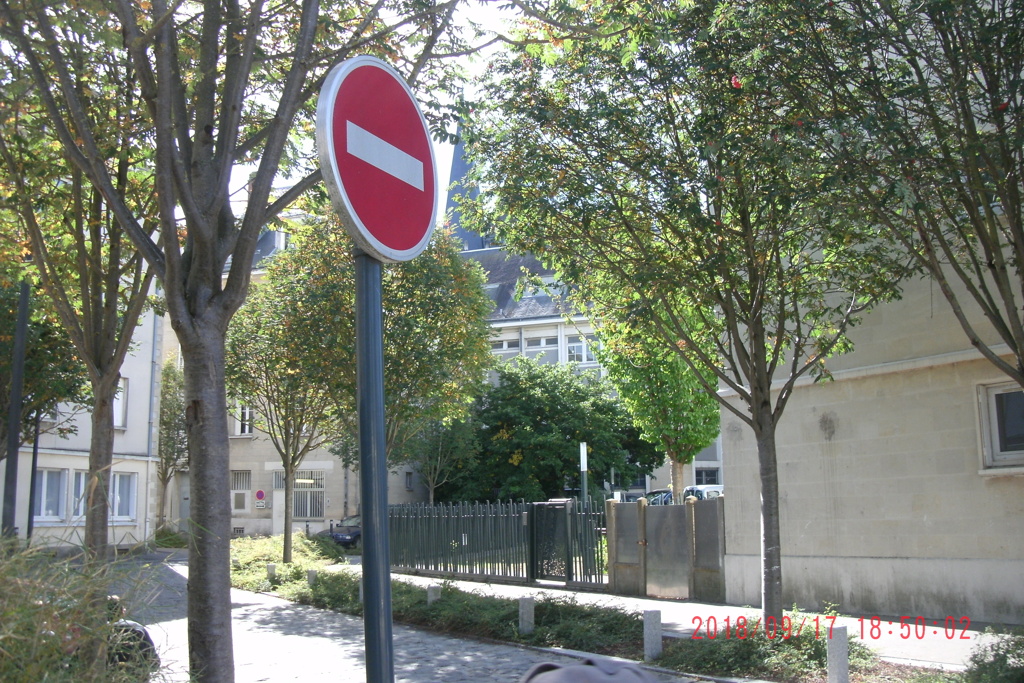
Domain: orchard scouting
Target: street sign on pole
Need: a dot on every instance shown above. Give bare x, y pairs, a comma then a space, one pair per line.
376, 158
378, 165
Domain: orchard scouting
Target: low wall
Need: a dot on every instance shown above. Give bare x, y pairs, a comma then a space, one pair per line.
985, 591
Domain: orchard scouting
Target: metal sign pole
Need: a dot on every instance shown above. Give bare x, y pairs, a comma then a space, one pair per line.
373, 471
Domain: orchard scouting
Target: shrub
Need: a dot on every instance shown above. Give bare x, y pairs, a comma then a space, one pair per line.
54, 620
998, 661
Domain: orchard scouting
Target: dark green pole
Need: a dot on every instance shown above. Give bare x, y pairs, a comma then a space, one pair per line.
373, 471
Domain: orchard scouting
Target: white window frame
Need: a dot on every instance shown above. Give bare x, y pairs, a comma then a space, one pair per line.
121, 405
79, 494
579, 348
245, 420
44, 481
995, 457
241, 490
122, 509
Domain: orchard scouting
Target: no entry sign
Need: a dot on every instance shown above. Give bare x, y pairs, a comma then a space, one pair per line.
376, 158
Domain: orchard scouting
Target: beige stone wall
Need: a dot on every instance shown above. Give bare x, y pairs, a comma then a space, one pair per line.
885, 506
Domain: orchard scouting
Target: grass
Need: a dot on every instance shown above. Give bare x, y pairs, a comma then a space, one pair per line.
54, 623
564, 623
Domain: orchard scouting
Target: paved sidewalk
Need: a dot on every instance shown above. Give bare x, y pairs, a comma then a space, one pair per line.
279, 642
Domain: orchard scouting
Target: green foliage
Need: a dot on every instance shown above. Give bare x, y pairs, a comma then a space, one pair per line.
251, 555
168, 538
921, 103
534, 420
444, 454
48, 621
172, 448
793, 654
998, 661
436, 337
53, 372
670, 404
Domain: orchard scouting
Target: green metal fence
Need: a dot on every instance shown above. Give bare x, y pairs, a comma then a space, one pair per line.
518, 542
472, 540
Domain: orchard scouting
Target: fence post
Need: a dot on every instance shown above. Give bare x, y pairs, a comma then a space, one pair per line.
311, 577
271, 571
652, 634
838, 656
526, 615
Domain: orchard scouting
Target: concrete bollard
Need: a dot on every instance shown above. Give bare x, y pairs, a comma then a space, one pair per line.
271, 571
360, 589
311, 577
526, 615
838, 656
433, 594
652, 634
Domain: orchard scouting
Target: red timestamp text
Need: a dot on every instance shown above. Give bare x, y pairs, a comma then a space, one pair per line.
741, 628
907, 628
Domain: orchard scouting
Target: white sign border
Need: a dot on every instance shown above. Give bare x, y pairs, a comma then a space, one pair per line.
329, 164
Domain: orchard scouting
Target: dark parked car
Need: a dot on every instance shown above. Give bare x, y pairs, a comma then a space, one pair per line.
348, 533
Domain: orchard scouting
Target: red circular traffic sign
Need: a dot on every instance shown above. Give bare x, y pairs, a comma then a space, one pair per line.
376, 158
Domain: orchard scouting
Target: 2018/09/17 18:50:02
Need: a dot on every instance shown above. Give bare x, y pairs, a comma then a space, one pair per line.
871, 628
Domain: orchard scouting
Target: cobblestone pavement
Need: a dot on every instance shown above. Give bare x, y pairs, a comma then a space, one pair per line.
278, 641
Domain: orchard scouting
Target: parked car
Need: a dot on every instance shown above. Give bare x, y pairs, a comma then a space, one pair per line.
659, 497
703, 491
348, 533
699, 491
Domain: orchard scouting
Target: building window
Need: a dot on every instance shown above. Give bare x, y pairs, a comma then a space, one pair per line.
79, 493
51, 493
505, 345
1002, 411
121, 404
581, 349
246, 420
238, 531
123, 496
408, 481
241, 485
707, 475
308, 494
542, 342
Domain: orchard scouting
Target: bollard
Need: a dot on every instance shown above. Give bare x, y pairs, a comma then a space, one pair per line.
652, 634
838, 656
360, 589
433, 594
526, 615
311, 577
271, 571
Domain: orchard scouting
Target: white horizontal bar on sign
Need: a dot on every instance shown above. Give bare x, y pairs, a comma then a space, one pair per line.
364, 145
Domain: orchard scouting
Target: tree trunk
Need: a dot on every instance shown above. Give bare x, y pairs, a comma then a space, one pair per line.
678, 483
211, 659
771, 539
289, 510
101, 458
161, 510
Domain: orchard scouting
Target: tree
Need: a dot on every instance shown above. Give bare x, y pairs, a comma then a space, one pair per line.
172, 451
444, 454
83, 259
672, 408
653, 177
436, 336
53, 373
533, 422
264, 370
924, 100
220, 85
